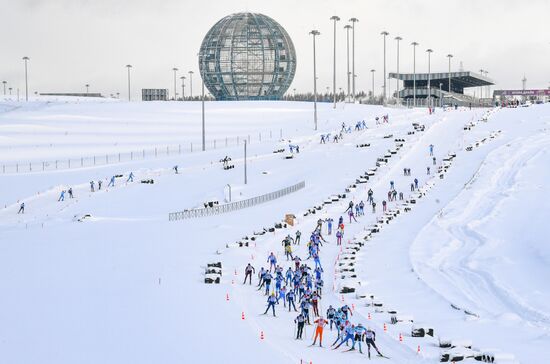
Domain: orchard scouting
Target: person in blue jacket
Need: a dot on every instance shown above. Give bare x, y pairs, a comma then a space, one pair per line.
271, 301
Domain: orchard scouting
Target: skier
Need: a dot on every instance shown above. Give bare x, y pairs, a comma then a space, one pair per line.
248, 273
338, 237
21, 208
431, 149
329, 225
370, 194
112, 182
362, 208
428, 170
71, 192
288, 251
271, 300
384, 203
330, 315
297, 261
392, 184
290, 296
416, 183
272, 260
130, 177
175, 168
282, 295
412, 187
359, 336
401, 196
321, 322
299, 320
92, 186
370, 338
297, 239
288, 276
345, 310
350, 207
99, 183
61, 196
349, 330
373, 207
261, 275
267, 281
433, 161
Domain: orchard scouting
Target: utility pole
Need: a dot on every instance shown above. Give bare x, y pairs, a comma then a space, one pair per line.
449, 56
429, 51
353, 21
372, 73
347, 28
175, 77
182, 78
414, 44
26, 59
335, 19
314, 33
384, 33
128, 66
398, 39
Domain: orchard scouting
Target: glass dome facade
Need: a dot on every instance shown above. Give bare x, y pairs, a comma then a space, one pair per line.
247, 56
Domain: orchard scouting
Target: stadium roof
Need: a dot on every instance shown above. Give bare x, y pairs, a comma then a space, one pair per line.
459, 79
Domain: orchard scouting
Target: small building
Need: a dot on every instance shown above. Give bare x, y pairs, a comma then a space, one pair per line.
154, 94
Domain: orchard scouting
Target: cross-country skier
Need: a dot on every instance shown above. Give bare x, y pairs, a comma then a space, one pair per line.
61, 196
338, 238
351, 216
362, 208
431, 149
428, 170
416, 183
359, 335
130, 177
300, 321
112, 182
433, 160
384, 204
373, 207
350, 207
320, 323
329, 225
21, 208
92, 186
370, 338
248, 273
272, 260
261, 275
297, 238
290, 297
349, 331
99, 183
392, 184
330, 315
70, 192
271, 300
346, 310
267, 280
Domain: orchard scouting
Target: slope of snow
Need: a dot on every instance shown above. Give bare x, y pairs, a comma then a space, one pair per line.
126, 285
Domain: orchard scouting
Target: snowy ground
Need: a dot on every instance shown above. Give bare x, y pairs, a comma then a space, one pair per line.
126, 285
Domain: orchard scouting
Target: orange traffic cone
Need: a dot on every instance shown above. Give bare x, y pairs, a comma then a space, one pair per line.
418, 350
261, 335
385, 327
242, 315
400, 337
227, 296
370, 317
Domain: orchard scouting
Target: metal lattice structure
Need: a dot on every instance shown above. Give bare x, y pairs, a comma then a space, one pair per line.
247, 56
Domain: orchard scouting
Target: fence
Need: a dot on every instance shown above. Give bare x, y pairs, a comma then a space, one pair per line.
233, 206
153, 152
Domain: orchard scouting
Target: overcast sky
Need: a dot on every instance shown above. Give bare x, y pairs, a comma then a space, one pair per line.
74, 42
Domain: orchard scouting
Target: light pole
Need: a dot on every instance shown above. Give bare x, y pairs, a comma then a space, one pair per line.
414, 44
335, 19
129, 66
203, 131
87, 89
191, 85
353, 21
440, 98
449, 56
398, 39
384, 33
429, 51
314, 33
175, 77
481, 87
26, 59
4, 82
9, 89
347, 28
182, 78
372, 73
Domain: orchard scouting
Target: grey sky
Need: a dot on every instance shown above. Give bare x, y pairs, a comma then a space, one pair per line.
74, 42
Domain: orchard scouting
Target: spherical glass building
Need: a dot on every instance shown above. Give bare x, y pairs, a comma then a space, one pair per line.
247, 56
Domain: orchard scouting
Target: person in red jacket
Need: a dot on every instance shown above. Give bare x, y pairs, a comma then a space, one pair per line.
320, 322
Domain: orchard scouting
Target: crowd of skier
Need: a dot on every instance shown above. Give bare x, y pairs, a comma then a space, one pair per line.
299, 286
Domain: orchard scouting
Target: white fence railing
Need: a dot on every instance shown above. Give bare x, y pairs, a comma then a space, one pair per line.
233, 206
136, 155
